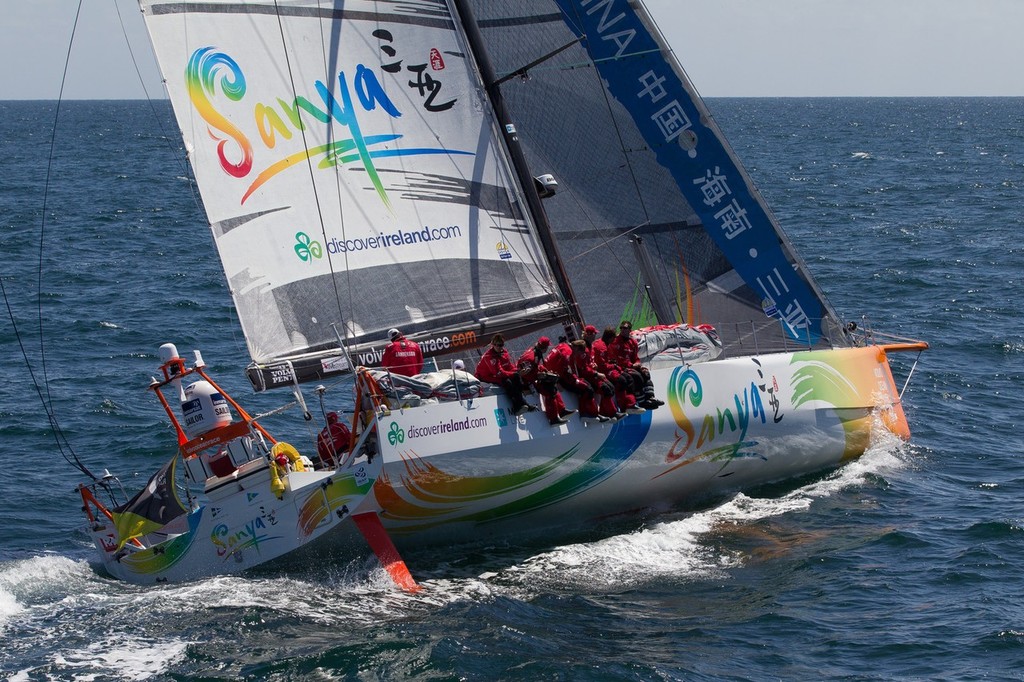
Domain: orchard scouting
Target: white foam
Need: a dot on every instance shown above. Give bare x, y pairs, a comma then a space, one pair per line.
9, 607
122, 656
669, 549
676, 548
39, 571
360, 592
27, 582
37, 592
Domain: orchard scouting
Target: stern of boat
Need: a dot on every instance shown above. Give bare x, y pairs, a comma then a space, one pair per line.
246, 521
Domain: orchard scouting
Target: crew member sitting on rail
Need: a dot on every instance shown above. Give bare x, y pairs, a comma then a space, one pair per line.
529, 362
602, 385
623, 351
495, 367
531, 367
565, 367
402, 356
624, 396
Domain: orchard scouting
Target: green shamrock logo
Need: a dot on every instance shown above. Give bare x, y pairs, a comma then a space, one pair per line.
307, 249
396, 434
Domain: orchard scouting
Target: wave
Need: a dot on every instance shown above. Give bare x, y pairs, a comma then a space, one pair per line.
678, 549
62, 619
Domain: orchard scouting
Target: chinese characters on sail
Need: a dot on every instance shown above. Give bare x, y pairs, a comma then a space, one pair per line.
730, 216
426, 85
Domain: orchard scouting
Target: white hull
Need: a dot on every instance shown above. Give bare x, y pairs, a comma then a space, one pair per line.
242, 525
470, 469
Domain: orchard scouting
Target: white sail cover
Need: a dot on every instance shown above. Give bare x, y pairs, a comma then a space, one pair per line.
352, 173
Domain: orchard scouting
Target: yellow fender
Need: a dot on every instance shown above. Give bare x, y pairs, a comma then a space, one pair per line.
278, 473
290, 452
276, 484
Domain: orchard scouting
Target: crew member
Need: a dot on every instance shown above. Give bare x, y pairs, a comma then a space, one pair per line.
588, 370
625, 398
623, 351
402, 356
334, 441
531, 367
566, 366
495, 367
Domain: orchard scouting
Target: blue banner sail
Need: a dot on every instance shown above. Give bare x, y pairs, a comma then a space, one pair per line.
664, 108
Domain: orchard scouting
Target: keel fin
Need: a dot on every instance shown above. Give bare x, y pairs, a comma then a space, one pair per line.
373, 530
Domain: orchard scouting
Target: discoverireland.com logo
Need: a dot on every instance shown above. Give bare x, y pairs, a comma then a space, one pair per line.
450, 426
308, 249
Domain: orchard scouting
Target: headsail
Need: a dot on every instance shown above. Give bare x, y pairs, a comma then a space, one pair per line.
352, 173
657, 220
152, 508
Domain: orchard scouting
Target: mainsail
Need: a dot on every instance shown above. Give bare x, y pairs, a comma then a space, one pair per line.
656, 221
354, 178
355, 175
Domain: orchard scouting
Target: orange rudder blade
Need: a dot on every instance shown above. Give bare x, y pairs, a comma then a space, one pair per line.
373, 530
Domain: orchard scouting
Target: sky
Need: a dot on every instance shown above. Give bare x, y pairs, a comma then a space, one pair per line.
729, 48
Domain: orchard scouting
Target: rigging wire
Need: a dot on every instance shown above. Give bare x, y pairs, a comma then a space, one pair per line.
152, 107
347, 272
305, 147
608, 242
183, 161
189, 175
636, 183
307, 416
43, 388
622, 144
523, 72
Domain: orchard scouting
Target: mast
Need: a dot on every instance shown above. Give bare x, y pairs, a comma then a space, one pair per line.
464, 15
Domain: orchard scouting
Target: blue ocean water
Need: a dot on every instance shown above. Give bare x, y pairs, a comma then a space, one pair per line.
905, 564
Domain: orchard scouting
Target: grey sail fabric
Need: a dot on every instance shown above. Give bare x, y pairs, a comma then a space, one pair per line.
653, 207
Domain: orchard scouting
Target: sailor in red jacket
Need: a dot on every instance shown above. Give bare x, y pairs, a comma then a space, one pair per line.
495, 367
531, 367
402, 356
624, 396
623, 351
530, 361
598, 379
567, 368
334, 441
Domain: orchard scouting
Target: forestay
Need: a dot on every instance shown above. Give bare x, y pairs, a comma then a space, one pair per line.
656, 220
352, 173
